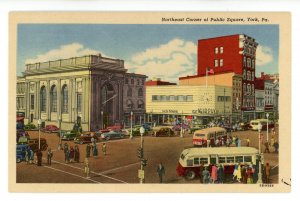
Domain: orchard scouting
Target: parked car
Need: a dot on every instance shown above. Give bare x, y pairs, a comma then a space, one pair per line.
34, 144
243, 126
112, 135
82, 139
116, 127
163, 131
50, 128
68, 135
99, 132
21, 152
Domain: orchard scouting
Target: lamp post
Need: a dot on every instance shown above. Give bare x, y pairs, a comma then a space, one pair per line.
101, 119
181, 129
131, 113
267, 115
39, 125
259, 150
59, 125
142, 131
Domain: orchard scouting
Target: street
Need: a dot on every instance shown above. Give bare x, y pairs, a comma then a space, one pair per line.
121, 163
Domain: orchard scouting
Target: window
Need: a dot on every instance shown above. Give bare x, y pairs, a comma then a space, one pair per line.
138, 82
126, 80
229, 159
249, 75
189, 162
239, 159
221, 50
163, 98
140, 104
253, 89
221, 159
244, 75
249, 62
196, 161
253, 63
129, 104
190, 98
32, 102
216, 50
252, 76
221, 62
244, 62
79, 101
172, 98
132, 81
168, 98
248, 159
129, 92
65, 99
43, 99
216, 63
248, 88
155, 98
180, 98
244, 88
140, 92
204, 160
53, 99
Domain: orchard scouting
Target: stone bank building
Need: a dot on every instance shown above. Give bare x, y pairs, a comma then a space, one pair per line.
93, 90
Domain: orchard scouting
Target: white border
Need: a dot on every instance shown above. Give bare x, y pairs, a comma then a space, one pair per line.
168, 5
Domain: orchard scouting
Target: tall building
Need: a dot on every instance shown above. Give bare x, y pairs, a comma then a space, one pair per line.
92, 90
231, 54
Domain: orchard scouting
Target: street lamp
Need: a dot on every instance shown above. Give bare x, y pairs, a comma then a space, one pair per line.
59, 125
142, 131
181, 129
259, 150
267, 115
101, 119
131, 113
39, 125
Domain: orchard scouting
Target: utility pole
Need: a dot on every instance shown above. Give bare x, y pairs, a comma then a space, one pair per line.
141, 172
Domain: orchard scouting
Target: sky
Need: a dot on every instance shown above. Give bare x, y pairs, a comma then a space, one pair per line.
158, 51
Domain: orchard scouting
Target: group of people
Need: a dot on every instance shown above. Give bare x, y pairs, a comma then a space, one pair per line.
71, 154
216, 175
246, 174
272, 143
94, 149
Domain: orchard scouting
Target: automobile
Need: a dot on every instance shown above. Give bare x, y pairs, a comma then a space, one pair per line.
29, 126
116, 127
136, 130
22, 133
147, 127
50, 128
85, 138
243, 126
99, 132
230, 128
163, 131
21, 152
68, 135
34, 144
112, 135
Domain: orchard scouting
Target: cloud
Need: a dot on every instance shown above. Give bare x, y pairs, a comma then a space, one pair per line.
169, 61
264, 55
63, 52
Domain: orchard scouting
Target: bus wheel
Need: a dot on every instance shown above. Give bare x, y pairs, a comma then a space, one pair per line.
190, 174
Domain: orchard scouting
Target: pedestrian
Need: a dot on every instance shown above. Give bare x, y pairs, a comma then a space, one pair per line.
244, 174
239, 173
88, 150
214, 173
201, 169
104, 148
87, 167
239, 142
221, 174
262, 138
76, 154
31, 156
250, 175
66, 149
49, 156
234, 175
217, 142
71, 154
233, 139
67, 156
236, 141
208, 142
206, 176
272, 141
267, 147
39, 156
228, 142
248, 142
267, 172
161, 172
95, 150
276, 146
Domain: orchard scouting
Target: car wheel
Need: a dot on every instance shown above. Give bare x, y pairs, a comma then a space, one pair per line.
190, 174
18, 160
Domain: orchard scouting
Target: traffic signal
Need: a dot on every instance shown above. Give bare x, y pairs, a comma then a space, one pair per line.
140, 152
144, 162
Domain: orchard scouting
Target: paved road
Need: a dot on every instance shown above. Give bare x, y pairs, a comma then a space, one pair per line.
121, 164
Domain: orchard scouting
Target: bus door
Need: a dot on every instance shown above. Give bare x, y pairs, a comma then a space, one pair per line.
213, 159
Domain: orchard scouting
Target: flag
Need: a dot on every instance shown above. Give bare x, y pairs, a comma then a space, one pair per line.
210, 71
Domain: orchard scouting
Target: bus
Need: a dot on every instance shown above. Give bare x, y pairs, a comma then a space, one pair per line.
254, 124
200, 137
191, 159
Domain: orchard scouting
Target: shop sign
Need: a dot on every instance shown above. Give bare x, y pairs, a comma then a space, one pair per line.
204, 111
169, 111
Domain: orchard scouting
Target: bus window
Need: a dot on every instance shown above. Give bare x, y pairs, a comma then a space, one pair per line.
239, 159
248, 159
204, 160
196, 161
200, 135
189, 162
230, 159
213, 159
221, 159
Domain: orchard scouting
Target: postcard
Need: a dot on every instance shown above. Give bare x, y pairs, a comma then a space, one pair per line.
150, 102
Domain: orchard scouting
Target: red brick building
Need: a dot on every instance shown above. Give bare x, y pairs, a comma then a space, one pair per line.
158, 82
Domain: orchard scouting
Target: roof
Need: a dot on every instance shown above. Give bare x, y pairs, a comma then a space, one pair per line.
196, 151
212, 129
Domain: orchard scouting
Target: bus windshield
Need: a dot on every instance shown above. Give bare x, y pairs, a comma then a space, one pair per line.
199, 135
